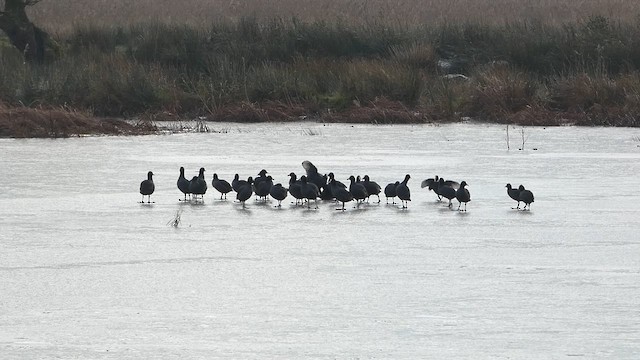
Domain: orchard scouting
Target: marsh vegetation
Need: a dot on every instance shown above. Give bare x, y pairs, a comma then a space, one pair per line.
295, 65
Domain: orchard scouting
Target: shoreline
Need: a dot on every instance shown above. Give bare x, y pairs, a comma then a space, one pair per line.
24, 122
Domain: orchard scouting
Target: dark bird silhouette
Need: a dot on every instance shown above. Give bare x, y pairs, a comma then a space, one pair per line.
434, 184
327, 192
262, 185
340, 193
295, 187
262, 176
358, 190
310, 191
279, 193
236, 183
147, 187
403, 192
514, 194
183, 184
430, 182
463, 195
446, 191
336, 183
526, 196
372, 187
313, 176
222, 186
390, 191
245, 191
198, 185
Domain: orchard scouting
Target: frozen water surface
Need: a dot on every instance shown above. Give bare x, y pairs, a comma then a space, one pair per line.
88, 273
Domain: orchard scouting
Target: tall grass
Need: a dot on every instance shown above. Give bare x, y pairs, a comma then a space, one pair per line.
280, 69
56, 15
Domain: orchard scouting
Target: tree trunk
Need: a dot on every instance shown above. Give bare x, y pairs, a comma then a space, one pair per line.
23, 34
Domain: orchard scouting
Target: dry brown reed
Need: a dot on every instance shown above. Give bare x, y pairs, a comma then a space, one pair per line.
270, 111
379, 111
23, 122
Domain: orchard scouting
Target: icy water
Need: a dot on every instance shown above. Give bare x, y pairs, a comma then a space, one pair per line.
86, 272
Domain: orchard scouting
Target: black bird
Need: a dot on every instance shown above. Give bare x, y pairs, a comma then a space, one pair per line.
313, 176
358, 190
340, 192
295, 187
245, 191
434, 185
336, 183
463, 196
327, 192
526, 196
222, 186
262, 185
183, 184
446, 191
198, 185
390, 191
236, 183
147, 187
430, 182
403, 193
514, 194
310, 191
372, 187
278, 192
262, 176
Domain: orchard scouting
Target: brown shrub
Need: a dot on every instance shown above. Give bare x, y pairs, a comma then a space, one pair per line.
23, 122
539, 116
271, 111
501, 91
379, 111
584, 91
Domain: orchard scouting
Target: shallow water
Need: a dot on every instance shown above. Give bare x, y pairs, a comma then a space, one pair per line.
87, 272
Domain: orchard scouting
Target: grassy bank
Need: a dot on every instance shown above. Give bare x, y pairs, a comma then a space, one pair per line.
284, 70
22, 122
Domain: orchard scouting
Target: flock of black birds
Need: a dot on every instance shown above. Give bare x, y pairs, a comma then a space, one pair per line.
314, 185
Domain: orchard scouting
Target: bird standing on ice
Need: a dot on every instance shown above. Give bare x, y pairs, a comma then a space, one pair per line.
147, 187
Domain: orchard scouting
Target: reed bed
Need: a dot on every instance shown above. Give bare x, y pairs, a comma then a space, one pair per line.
287, 69
55, 15
43, 122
